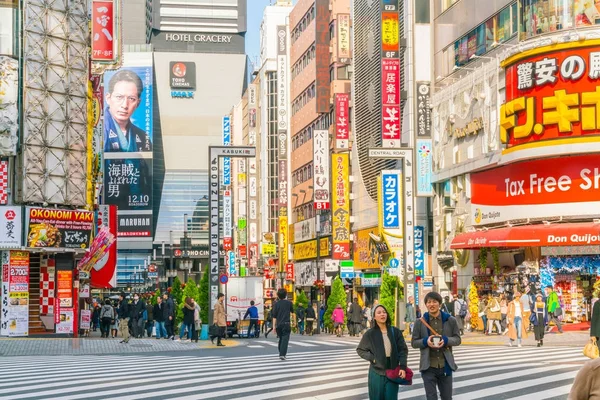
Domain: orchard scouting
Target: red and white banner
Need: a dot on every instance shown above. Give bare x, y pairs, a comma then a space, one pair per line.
342, 123
321, 165
104, 271
551, 187
390, 102
104, 22
289, 272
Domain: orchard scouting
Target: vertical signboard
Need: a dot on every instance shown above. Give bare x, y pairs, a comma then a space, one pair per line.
343, 38
423, 123
322, 57
104, 273
340, 206
283, 237
419, 252
391, 188
321, 165
342, 123
128, 144
282, 78
15, 293
390, 74
226, 128
424, 167
104, 30
283, 187
227, 216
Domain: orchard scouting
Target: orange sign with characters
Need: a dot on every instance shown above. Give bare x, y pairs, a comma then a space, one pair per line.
552, 93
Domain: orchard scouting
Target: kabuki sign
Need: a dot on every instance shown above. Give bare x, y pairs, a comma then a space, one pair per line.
552, 94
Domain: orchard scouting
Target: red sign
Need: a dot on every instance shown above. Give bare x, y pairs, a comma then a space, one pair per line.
18, 272
103, 31
454, 283
390, 99
104, 273
243, 251
64, 284
10, 215
269, 273
289, 272
342, 125
227, 243
551, 95
177, 253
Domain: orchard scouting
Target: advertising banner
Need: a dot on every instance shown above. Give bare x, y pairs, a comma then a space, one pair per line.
289, 271
321, 165
268, 249
341, 206
366, 254
182, 75
226, 142
86, 319
550, 187
304, 230
54, 228
227, 214
65, 320
343, 38
283, 183
11, 227
283, 239
64, 284
104, 272
128, 144
424, 167
305, 274
392, 204
105, 30
253, 256
423, 123
15, 293
550, 96
419, 252
308, 250
390, 102
9, 98
342, 122
322, 56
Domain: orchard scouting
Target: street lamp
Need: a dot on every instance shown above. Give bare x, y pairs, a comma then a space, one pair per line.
171, 269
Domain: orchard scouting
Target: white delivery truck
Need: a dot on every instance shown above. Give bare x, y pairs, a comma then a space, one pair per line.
239, 292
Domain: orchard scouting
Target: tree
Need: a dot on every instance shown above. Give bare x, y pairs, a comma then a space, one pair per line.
387, 296
337, 296
176, 292
301, 299
474, 305
155, 296
190, 290
203, 298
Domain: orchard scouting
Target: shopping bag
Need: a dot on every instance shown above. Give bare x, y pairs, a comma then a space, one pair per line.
213, 330
591, 349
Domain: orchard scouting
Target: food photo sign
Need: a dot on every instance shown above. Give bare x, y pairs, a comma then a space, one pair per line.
59, 228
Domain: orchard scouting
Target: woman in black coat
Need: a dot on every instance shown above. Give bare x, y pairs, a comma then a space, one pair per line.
188, 319
384, 347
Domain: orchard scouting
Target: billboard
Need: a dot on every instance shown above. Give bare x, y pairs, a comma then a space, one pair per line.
105, 32
424, 167
182, 75
305, 230
545, 188
15, 293
283, 238
104, 272
423, 123
308, 250
11, 226
419, 252
227, 214
322, 56
9, 97
321, 165
342, 120
128, 144
550, 98
343, 37
283, 184
341, 206
391, 188
55, 228
390, 102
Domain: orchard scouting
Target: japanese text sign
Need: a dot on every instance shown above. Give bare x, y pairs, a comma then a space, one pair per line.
104, 20
390, 100
52, 228
289, 272
423, 124
227, 142
391, 189
11, 232
424, 166
283, 183
321, 165
342, 123
419, 234
341, 206
551, 95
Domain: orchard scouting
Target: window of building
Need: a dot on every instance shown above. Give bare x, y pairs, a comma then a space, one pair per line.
303, 24
8, 27
446, 4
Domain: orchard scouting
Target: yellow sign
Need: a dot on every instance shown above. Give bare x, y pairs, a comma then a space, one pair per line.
308, 250
283, 240
366, 255
340, 204
268, 249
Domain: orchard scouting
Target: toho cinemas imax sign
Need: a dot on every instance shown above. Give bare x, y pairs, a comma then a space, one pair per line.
198, 42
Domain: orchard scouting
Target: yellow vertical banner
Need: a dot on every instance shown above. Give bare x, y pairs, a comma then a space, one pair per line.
283, 237
340, 205
89, 181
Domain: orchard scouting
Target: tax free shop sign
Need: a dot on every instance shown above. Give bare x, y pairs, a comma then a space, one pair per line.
552, 187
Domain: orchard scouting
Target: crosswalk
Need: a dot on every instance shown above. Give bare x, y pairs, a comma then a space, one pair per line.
258, 344
484, 373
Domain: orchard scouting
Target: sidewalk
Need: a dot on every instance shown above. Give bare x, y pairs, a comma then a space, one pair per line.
88, 346
573, 338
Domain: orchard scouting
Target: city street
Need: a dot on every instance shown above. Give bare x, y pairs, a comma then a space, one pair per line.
317, 368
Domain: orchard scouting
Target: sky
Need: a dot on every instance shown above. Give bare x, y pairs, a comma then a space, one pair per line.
255, 15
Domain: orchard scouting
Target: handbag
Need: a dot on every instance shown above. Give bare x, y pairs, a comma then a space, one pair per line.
496, 307
214, 330
558, 312
590, 350
393, 374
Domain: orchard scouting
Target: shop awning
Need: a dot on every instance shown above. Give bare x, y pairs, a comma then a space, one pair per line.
571, 234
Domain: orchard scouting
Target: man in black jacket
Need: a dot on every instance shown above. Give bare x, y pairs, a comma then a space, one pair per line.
137, 316
124, 315
170, 306
354, 318
160, 316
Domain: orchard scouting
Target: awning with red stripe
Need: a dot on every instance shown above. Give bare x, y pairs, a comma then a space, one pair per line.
570, 234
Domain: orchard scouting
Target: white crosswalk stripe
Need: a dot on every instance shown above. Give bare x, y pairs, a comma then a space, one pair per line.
484, 373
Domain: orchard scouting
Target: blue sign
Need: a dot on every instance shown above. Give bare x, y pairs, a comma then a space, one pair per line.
394, 263
424, 162
390, 187
182, 94
226, 142
419, 235
347, 272
232, 269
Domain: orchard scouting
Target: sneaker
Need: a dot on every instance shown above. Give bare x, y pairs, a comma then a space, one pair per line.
509, 344
519, 345
282, 358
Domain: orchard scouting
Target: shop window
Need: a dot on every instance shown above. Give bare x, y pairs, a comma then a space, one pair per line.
542, 16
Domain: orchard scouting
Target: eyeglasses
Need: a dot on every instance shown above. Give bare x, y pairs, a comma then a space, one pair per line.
119, 98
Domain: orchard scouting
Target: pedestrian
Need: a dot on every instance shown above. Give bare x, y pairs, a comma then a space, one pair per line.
595, 324
436, 334
554, 308
170, 321
252, 312
460, 313
354, 318
269, 322
197, 321
503, 313
411, 314
188, 320
539, 319
300, 318
337, 316
124, 316
96, 318
526, 301
587, 382
107, 318
385, 349
137, 316
159, 312
220, 320
150, 318
517, 329
448, 306
482, 313
281, 320
492, 312
310, 319
367, 317
321, 317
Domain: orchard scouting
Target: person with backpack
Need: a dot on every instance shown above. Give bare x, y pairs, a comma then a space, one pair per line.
107, 318
460, 313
